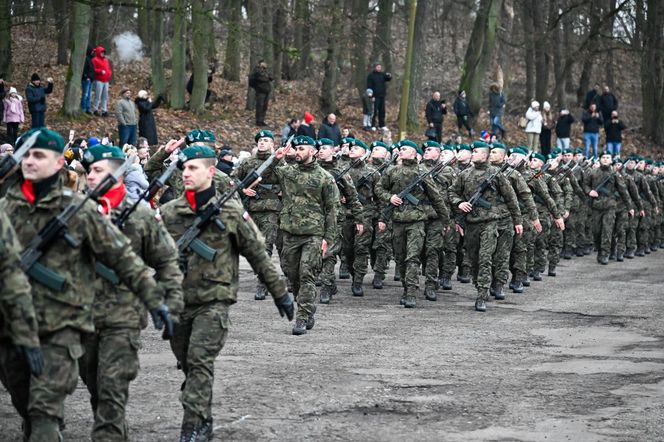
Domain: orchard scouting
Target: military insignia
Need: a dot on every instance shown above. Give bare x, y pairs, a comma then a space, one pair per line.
88, 156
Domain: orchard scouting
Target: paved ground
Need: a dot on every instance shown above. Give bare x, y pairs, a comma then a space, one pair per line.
579, 357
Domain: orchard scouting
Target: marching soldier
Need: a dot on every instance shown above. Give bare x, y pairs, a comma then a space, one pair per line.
464, 155
561, 192
381, 248
632, 222
210, 285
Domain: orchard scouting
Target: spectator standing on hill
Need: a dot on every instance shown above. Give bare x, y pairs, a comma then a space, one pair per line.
434, 113
35, 93
534, 125
330, 129
307, 126
376, 82
547, 124
289, 129
592, 121
614, 127
103, 74
592, 96
463, 113
564, 129
12, 114
146, 125
496, 108
367, 109
125, 112
607, 103
261, 81
87, 78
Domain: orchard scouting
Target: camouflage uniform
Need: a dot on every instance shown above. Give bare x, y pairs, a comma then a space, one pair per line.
649, 203
653, 234
381, 245
62, 317
619, 235
561, 192
408, 221
110, 362
309, 216
210, 288
448, 258
633, 222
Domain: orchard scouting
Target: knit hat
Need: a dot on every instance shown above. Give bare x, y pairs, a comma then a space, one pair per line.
196, 152
47, 139
142, 94
200, 136
93, 141
225, 150
534, 104
263, 134
12, 90
431, 143
369, 91
124, 89
101, 152
538, 156
5, 147
35, 77
308, 118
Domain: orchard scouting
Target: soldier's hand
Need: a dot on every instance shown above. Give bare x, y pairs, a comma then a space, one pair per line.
249, 192
323, 247
566, 214
593, 194
285, 306
656, 210
459, 229
162, 319
560, 223
33, 357
359, 228
395, 200
642, 213
518, 229
382, 226
466, 207
537, 225
631, 213
172, 145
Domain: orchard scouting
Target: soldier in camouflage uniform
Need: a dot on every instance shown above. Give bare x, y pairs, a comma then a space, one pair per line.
448, 261
649, 204
573, 221
408, 220
64, 315
210, 287
328, 161
309, 224
619, 235
602, 185
381, 246
263, 200
632, 222
653, 234
20, 354
342, 162
584, 241
464, 153
561, 191
110, 361
482, 220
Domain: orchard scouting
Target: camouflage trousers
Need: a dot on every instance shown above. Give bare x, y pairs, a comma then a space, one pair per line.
501, 256
480, 242
537, 250
15, 377
450, 244
519, 254
302, 262
268, 224
587, 227
462, 260
555, 244
643, 229
110, 363
408, 243
630, 234
381, 249
619, 236
433, 251
603, 222
197, 340
329, 261
357, 248
572, 226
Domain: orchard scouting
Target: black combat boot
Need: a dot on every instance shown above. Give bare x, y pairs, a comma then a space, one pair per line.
536, 275
357, 290
300, 327
261, 291
620, 257
498, 291
377, 282
410, 302
480, 305
343, 271
463, 279
526, 282
567, 254
430, 294
402, 301
552, 270
310, 322
518, 287
629, 255
190, 433
653, 248
445, 283
397, 276
326, 293
206, 431
603, 259
579, 252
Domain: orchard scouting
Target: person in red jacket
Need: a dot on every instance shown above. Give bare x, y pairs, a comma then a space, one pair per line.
103, 73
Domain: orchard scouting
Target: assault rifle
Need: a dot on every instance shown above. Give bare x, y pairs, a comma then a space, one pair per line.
254, 176
406, 194
57, 228
477, 199
337, 177
514, 167
7, 163
540, 173
600, 187
364, 180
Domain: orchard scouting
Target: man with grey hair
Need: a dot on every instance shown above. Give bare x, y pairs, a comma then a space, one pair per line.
329, 129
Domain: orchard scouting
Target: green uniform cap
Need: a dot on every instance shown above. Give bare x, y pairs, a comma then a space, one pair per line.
618, 160
519, 149
601, 154
480, 145
347, 140
649, 161
552, 156
538, 156
578, 150
431, 143
409, 143
101, 152
304, 140
200, 136
359, 143
464, 147
325, 142
379, 143
449, 147
47, 139
196, 152
566, 151
497, 145
556, 151
263, 134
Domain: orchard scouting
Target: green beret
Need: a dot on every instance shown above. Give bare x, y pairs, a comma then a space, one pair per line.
409, 143
649, 161
304, 140
498, 145
359, 143
379, 143
552, 156
196, 152
200, 136
556, 150
601, 154
325, 142
639, 158
449, 147
538, 156
347, 140
520, 150
47, 139
480, 145
102, 152
578, 150
263, 134
395, 146
566, 151
464, 147
617, 160
431, 143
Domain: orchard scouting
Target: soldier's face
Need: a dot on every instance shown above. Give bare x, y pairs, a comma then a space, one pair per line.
99, 170
447, 155
431, 153
640, 166
39, 164
463, 156
356, 152
143, 153
568, 157
630, 165
497, 155
605, 160
304, 153
554, 164
197, 175
265, 144
515, 158
325, 153
536, 164
378, 152
407, 153
479, 155
578, 157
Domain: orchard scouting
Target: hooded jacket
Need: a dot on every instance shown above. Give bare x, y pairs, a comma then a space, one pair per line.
101, 66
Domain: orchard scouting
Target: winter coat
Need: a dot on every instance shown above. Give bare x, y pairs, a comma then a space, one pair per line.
287, 131
125, 111
88, 67
100, 64
146, 125
13, 111
496, 104
607, 103
367, 104
260, 80
136, 182
225, 166
614, 131
306, 129
434, 111
591, 124
534, 118
36, 96
461, 108
376, 82
564, 126
591, 97
547, 120
330, 131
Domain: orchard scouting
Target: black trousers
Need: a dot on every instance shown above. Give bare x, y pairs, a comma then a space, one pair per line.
379, 112
545, 141
462, 121
262, 101
12, 133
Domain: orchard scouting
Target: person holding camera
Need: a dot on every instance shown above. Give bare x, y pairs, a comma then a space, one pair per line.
434, 112
592, 121
376, 82
35, 93
614, 128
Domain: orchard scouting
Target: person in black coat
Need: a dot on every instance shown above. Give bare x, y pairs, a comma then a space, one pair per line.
225, 160
564, 129
614, 127
87, 78
329, 129
261, 81
147, 127
35, 94
434, 112
376, 82
463, 113
592, 97
607, 104
307, 126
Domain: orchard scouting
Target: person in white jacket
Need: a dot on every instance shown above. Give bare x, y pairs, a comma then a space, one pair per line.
534, 126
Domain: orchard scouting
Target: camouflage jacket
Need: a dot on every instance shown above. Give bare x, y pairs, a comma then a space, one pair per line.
349, 202
610, 192
643, 188
523, 195
556, 191
115, 305
540, 192
651, 180
17, 315
97, 239
268, 190
311, 201
632, 190
469, 181
443, 181
365, 193
398, 178
217, 280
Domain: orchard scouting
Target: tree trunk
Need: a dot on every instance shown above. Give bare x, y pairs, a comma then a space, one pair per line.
6, 65
61, 14
528, 34
359, 35
505, 53
211, 44
178, 59
417, 67
255, 13
232, 56
479, 52
589, 59
559, 60
652, 71
540, 40
79, 44
99, 34
328, 95
144, 30
607, 31
302, 38
267, 34
200, 27
279, 33
405, 90
156, 41
567, 44
382, 41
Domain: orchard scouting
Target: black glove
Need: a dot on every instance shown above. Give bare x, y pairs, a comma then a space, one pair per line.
162, 319
33, 357
285, 306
